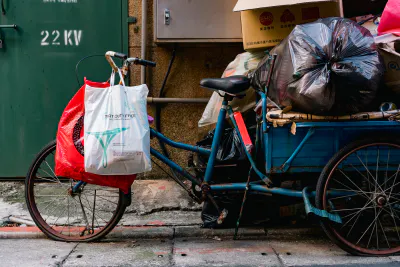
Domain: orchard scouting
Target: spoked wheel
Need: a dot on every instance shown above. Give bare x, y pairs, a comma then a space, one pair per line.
87, 214
361, 184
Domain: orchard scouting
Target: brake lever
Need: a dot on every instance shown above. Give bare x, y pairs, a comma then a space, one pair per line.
131, 60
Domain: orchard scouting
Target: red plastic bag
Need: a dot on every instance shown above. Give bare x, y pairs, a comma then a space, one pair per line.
70, 149
390, 20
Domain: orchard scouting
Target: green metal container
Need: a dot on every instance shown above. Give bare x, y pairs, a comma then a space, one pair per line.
37, 67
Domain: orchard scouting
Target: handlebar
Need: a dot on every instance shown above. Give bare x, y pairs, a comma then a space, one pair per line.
143, 62
116, 54
134, 60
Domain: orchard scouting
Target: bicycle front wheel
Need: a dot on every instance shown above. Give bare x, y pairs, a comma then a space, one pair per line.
86, 215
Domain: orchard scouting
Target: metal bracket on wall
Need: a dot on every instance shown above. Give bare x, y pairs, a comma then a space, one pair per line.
12, 26
131, 20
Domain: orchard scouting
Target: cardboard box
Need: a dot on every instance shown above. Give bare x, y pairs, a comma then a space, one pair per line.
390, 53
266, 23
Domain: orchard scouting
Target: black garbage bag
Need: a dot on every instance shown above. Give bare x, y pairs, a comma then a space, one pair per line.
330, 66
231, 163
230, 147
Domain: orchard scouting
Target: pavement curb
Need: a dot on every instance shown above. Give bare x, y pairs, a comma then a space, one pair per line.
21, 235
169, 232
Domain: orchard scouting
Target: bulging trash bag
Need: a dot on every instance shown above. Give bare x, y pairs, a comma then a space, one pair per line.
330, 66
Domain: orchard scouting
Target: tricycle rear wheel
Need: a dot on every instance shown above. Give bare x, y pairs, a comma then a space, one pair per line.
361, 184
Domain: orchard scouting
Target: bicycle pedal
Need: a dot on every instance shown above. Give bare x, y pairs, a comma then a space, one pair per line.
222, 216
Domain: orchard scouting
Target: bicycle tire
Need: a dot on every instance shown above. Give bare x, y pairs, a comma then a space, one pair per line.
331, 229
37, 217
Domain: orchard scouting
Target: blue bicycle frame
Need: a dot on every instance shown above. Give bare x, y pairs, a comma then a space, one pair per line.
260, 186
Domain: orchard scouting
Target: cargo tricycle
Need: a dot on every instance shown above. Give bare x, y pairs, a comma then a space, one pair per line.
357, 157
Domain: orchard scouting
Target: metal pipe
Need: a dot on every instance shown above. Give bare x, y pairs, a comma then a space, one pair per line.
341, 13
144, 43
158, 108
21, 221
155, 100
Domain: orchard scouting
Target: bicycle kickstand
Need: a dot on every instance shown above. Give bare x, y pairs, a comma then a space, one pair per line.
242, 207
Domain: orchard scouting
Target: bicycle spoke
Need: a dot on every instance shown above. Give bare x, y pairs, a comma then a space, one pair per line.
351, 182
54, 208
392, 213
55, 180
368, 171
370, 237
61, 213
376, 172
351, 209
96, 215
366, 179
358, 212
387, 167
335, 198
104, 199
368, 228
51, 169
366, 161
391, 203
46, 179
52, 196
393, 185
395, 198
69, 227
376, 225
395, 224
90, 207
51, 201
104, 190
376, 228
358, 216
351, 190
47, 201
394, 175
384, 234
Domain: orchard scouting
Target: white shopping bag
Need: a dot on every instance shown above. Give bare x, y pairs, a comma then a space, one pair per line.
117, 133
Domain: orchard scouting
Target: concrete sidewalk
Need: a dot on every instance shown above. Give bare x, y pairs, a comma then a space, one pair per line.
307, 247
162, 228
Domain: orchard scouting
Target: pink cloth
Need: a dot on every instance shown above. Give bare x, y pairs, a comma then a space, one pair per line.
390, 20
150, 118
